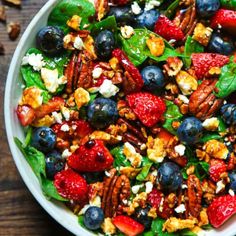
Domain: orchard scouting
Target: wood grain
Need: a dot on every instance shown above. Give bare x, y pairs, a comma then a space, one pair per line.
20, 214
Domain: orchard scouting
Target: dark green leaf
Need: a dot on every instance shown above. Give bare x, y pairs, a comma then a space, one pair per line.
149, 233
119, 158
172, 8
190, 154
201, 170
222, 126
207, 227
209, 136
144, 172
156, 227
186, 232
228, 4
81, 221
92, 97
28, 136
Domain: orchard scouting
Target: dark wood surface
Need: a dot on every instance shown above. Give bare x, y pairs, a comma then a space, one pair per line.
20, 214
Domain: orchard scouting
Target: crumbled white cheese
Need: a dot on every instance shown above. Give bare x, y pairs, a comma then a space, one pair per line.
211, 124
151, 4
149, 186
161, 204
180, 209
180, 149
97, 72
62, 80
50, 79
127, 31
108, 89
107, 173
184, 186
231, 192
135, 189
172, 41
34, 60
78, 43
57, 117
65, 128
154, 173
66, 113
219, 186
136, 9
131, 154
74, 127
96, 201
183, 98
84, 209
66, 153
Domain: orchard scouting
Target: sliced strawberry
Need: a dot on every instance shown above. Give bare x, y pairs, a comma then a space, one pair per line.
93, 156
148, 107
221, 209
217, 167
225, 19
167, 29
127, 225
25, 114
71, 185
203, 62
165, 135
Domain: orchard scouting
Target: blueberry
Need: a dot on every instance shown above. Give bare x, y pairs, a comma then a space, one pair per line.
153, 78
50, 40
232, 184
104, 44
206, 8
219, 44
228, 114
54, 163
123, 15
43, 139
190, 130
93, 218
147, 19
141, 215
169, 177
93, 177
102, 112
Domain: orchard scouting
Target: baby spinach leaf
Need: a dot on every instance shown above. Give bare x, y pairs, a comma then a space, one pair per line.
172, 114
149, 233
65, 9
81, 221
207, 227
186, 232
228, 4
170, 11
144, 172
209, 136
222, 126
156, 227
119, 158
227, 80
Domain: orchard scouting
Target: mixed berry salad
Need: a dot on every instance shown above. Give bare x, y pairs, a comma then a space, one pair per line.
129, 113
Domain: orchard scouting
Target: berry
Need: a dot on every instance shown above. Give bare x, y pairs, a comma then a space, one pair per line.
228, 114
91, 159
25, 114
167, 29
148, 107
207, 8
203, 62
127, 225
217, 167
232, 185
169, 177
50, 40
120, 2
153, 78
43, 139
71, 185
219, 44
190, 130
141, 215
104, 44
93, 218
147, 19
102, 112
54, 163
225, 19
221, 209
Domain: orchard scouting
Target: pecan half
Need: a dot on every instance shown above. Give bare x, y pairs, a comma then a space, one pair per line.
203, 103
13, 30
102, 8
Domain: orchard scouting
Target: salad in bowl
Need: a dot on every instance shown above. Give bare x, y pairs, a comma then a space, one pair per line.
129, 114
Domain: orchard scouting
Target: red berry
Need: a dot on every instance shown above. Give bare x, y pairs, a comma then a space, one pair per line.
217, 167
127, 225
71, 185
167, 29
25, 114
120, 2
148, 107
203, 62
221, 209
91, 158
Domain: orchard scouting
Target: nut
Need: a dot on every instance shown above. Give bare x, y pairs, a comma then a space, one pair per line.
14, 2
173, 66
131, 154
74, 22
81, 97
156, 45
126, 31
13, 29
202, 34
102, 8
107, 227
2, 14
1, 49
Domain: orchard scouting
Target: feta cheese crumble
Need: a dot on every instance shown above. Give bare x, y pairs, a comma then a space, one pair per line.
127, 31
34, 60
97, 72
136, 9
78, 43
108, 89
180, 149
151, 4
180, 209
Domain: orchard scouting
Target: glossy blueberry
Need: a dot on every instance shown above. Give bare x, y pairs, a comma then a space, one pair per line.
228, 114
54, 163
50, 40
232, 184
169, 177
123, 15
102, 112
153, 78
219, 44
190, 130
206, 8
43, 139
147, 19
93, 218
141, 215
104, 44
93, 177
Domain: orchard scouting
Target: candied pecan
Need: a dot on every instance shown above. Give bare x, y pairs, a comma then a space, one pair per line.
125, 111
173, 66
232, 162
13, 29
203, 103
209, 189
1, 49
96, 189
194, 193
2, 14
102, 8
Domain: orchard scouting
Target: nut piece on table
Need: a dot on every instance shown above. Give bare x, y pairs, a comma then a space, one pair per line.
1, 49
14, 2
2, 14
13, 30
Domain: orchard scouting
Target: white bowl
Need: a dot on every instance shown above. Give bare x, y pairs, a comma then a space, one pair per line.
13, 92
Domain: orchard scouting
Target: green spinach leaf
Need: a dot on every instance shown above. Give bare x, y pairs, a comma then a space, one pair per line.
119, 158
171, 9
144, 172
156, 227
228, 4
209, 136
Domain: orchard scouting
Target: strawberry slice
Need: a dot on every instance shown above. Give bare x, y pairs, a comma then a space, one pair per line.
25, 114
127, 225
71, 185
148, 107
217, 167
225, 19
203, 62
221, 209
167, 29
93, 156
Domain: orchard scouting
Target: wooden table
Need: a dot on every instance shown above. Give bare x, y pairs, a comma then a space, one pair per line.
20, 214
